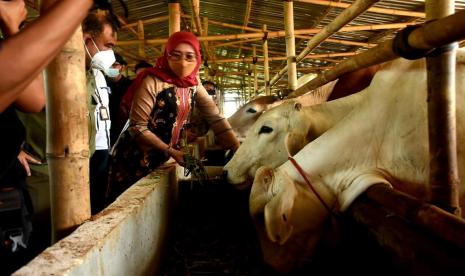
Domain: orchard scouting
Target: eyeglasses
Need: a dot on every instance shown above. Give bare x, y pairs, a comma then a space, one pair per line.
177, 56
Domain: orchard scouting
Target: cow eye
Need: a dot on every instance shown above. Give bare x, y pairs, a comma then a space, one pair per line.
265, 129
251, 110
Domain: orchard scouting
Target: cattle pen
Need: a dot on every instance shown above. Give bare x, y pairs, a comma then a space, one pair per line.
168, 223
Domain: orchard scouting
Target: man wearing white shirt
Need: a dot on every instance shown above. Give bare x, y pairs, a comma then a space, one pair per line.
99, 35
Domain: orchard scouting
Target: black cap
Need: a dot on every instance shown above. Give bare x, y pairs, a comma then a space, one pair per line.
142, 64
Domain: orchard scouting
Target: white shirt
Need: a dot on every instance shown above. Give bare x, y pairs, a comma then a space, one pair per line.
102, 137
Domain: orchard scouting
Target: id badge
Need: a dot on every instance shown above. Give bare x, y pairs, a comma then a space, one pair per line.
103, 111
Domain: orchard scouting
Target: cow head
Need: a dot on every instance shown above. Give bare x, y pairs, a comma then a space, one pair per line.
290, 220
278, 132
245, 116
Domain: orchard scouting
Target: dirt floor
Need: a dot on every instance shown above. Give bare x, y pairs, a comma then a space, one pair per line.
213, 235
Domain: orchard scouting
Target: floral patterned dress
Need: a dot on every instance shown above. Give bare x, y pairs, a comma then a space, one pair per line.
129, 161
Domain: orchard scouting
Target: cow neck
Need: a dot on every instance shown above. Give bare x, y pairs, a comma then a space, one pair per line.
304, 176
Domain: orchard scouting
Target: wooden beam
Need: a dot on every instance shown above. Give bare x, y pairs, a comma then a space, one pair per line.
258, 50
290, 44
246, 72
444, 176
234, 26
254, 68
195, 8
349, 14
235, 42
141, 36
124, 25
373, 9
311, 56
427, 37
147, 21
67, 137
266, 65
419, 237
272, 34
344, 42
174, 11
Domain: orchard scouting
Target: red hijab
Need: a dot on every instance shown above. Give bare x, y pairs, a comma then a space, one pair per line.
163, 71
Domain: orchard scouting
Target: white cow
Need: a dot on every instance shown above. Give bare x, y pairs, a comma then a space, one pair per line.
245, 116
383, 140
287, 127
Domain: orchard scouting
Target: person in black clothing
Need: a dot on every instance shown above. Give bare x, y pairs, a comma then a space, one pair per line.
118, 86
25, 53
141, 66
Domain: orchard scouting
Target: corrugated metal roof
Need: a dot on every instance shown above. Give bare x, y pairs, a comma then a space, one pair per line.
271, 13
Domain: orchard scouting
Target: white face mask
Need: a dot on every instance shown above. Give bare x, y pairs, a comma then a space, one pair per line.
102, 60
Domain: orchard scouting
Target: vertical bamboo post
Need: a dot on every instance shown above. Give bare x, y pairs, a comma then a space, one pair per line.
174, 11
249, 82
290, 44
141, 36
196, 15
220, 85
205, 33
67, 136
441, 118
254, 67
266, 63
244, 89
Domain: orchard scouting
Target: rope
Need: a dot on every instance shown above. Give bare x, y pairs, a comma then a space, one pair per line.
301, 172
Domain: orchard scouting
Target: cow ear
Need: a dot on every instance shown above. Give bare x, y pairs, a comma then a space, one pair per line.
298, 106
294, 142
278, 212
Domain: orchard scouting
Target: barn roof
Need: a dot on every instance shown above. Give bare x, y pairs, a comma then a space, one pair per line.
229, 57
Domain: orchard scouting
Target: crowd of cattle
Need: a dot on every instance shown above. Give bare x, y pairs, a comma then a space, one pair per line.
343, 146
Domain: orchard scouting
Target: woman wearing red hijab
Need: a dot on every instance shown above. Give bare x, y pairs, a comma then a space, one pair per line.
160, 101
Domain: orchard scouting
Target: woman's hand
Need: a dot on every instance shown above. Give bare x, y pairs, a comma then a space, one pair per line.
24, 158
177, 155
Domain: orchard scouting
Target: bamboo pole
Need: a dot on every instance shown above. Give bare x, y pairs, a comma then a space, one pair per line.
258, 50
207, 47
290, 44
266, 62
125, 25
174, 11
430, 35
195, 7
341, 41
232, 45
246, 72
235, 42
248, 9
273, 34
141, 36
444, 177
311, 56
249, 81
373, 9
67, 139
234, 26
357, 8
255, 75
147, 21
